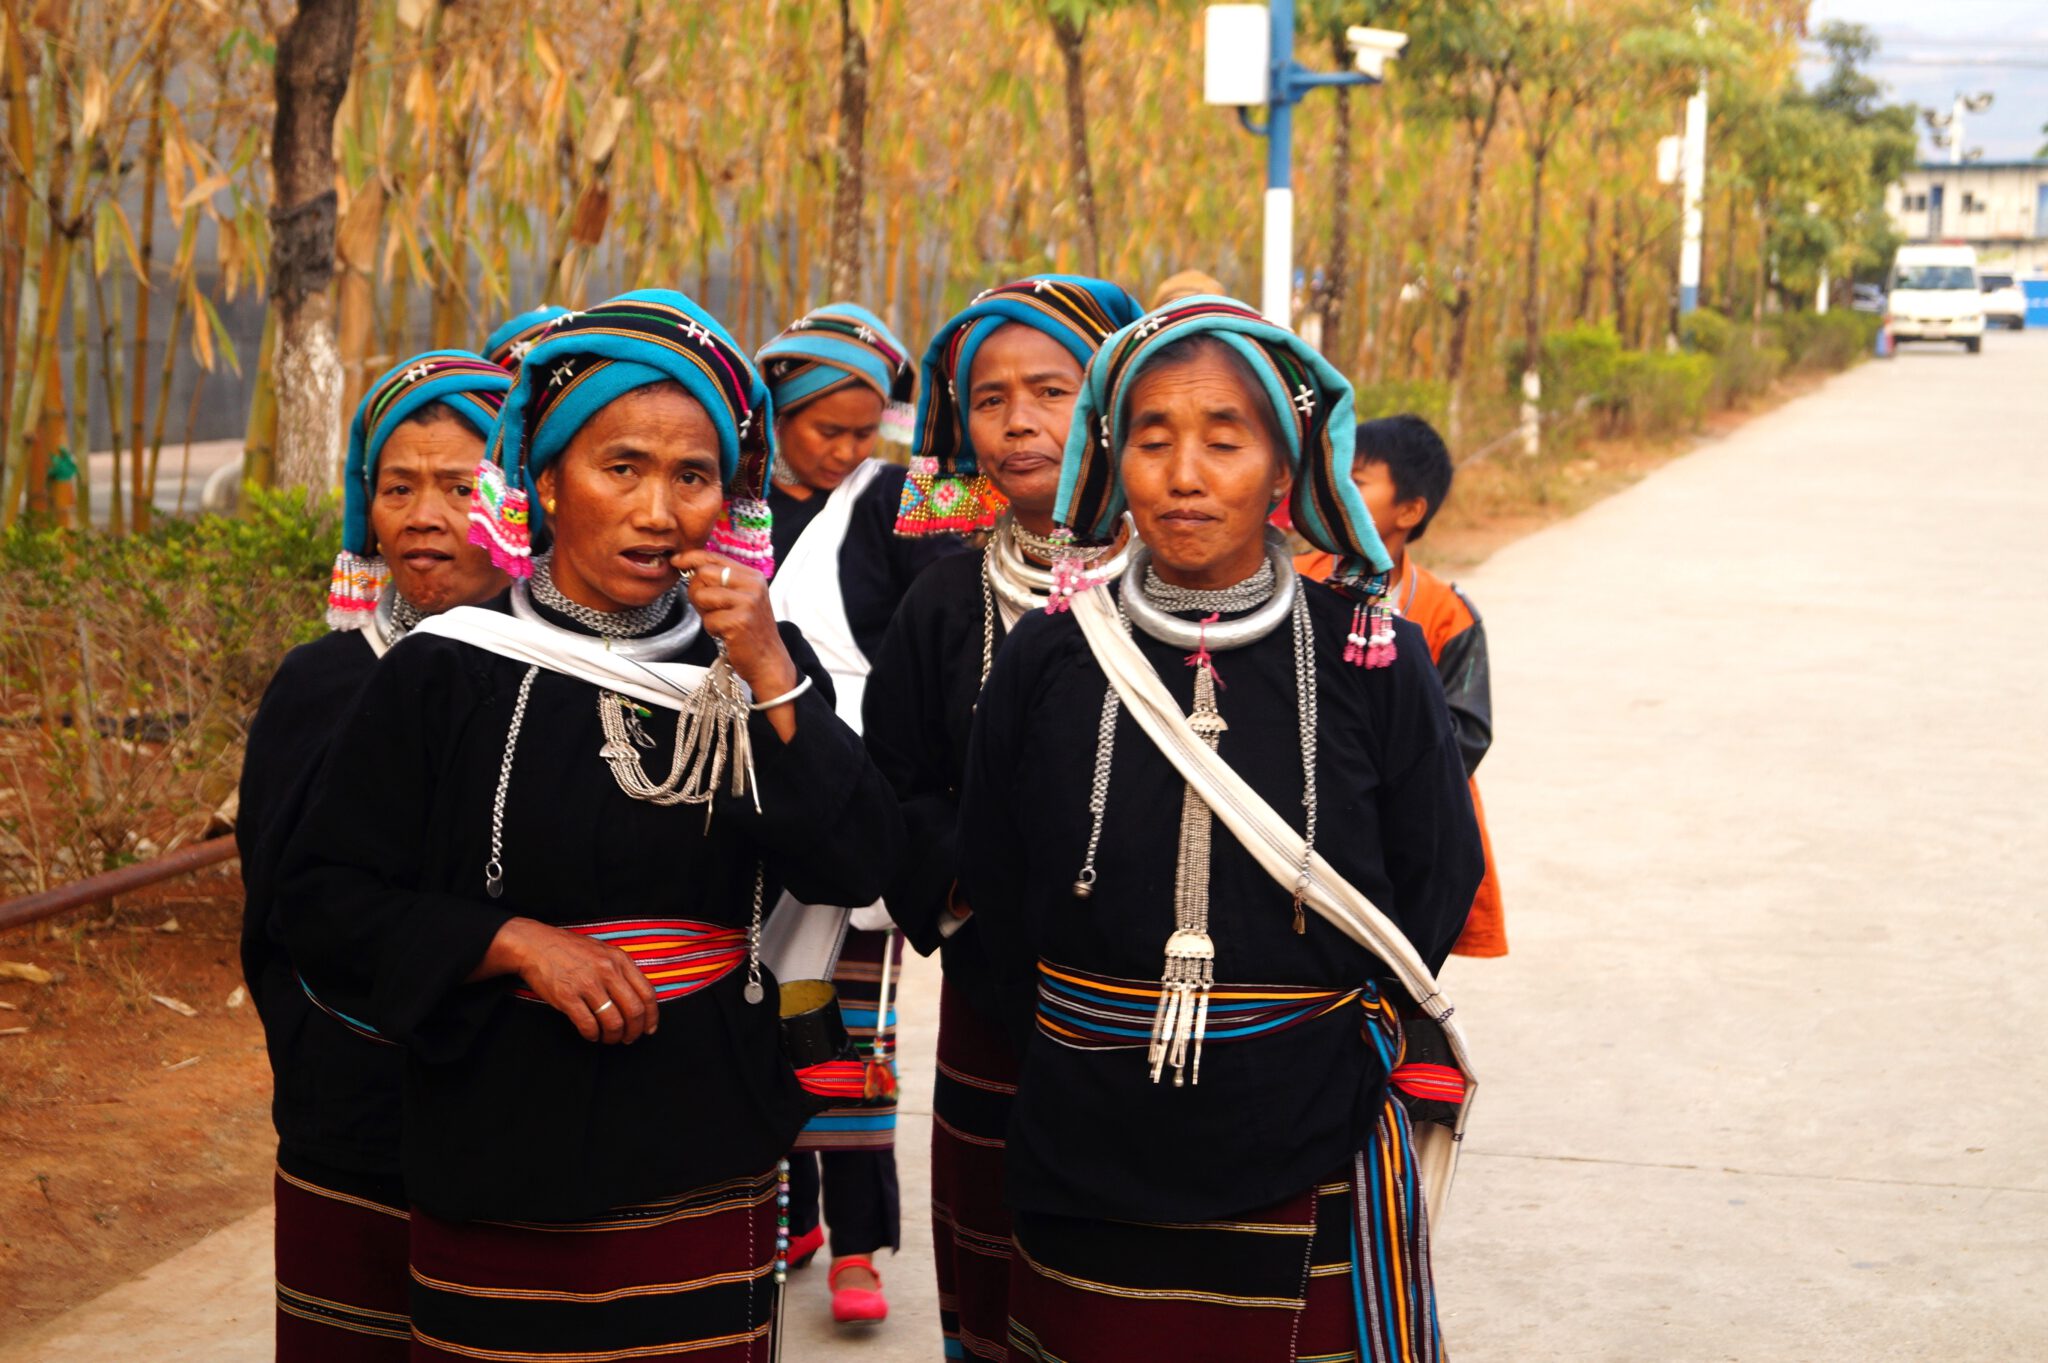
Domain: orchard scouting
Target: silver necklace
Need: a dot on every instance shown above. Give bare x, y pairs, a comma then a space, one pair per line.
1242, 596
630, 623
494, 869
1180, 1022
1157, 621
647, 648
396, 616
1008, 572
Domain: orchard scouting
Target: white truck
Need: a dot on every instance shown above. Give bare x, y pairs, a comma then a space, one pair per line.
1934, 296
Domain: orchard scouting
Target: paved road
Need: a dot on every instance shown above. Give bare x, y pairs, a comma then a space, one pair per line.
1761, 1080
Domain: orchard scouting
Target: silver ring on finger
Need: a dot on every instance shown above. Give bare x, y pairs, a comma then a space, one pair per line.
725, 576
601, 1007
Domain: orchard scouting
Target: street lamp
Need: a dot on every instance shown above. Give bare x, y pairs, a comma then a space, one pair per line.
1946, 130
1248, 61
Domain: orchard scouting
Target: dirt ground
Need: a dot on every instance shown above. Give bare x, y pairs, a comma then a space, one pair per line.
127, 1130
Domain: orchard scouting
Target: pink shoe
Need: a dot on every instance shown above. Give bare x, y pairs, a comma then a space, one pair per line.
805, 1247
857, 1305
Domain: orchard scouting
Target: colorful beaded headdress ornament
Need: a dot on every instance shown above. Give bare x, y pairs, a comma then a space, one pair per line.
583, 362
465, 383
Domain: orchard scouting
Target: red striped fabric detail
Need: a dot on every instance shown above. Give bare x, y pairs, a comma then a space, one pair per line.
1439, 1083
677, 955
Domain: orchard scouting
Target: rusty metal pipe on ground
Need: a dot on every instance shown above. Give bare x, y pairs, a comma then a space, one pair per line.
33, 907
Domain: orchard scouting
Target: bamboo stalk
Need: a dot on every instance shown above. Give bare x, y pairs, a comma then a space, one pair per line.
145, 289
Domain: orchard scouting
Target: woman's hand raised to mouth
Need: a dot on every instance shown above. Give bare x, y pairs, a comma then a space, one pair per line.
732, 600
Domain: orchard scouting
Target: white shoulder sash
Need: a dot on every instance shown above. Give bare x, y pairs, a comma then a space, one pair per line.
572, 655
806, 591
1278, 849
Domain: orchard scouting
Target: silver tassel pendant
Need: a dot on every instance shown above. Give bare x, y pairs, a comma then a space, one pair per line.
1181, 1020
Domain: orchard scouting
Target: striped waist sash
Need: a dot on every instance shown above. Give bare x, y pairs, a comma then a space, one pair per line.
677, 955
1102, 1012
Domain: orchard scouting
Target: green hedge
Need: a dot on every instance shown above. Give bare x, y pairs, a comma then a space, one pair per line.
129, 669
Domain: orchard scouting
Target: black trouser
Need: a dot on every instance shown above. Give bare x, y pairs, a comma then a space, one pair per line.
863, 1209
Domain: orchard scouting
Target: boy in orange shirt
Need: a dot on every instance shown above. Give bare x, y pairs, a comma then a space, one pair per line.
1404, 473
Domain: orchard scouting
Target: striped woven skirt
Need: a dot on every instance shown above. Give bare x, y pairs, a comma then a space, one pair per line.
1341, 1271
691, 1278
970, 1223
868, 1122
1319, 1278
342, 1284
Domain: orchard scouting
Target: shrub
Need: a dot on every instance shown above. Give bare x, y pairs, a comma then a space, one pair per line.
1745, 370
1706, 331
129, 669
1426, 398
1659, 394
1826, 342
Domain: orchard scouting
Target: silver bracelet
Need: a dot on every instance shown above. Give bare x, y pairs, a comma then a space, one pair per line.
785, 698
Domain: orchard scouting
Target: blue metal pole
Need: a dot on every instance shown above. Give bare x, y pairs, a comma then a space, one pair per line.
1277, 275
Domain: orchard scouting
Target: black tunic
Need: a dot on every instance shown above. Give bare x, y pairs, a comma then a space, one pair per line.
509, 1113
917, 715
876, 565
334, 1094
1090, 1134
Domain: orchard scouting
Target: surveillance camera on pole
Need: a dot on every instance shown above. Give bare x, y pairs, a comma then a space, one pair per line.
1373, 48
1248, 60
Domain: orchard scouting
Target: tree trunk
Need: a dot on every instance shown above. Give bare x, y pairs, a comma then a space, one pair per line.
259, 446
1071, 36
1532, 307
145, 291
14, 204
1589, 263
1468, 263
313, 60
1337, 269
849, 190
1617, 278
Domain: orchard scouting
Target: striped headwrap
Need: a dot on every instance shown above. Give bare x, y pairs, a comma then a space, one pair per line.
465, 383
586, 360
510, 342
946, 492
1312, 409
1311, 405
830, 348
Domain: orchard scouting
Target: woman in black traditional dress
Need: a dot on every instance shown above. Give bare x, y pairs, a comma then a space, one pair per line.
342, 1284
565, 942
1204, 1161
839, 576
997, 390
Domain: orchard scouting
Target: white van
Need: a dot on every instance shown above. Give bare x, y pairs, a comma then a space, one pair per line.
1934, 296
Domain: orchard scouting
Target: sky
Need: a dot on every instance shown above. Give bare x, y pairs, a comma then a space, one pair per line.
1930, 52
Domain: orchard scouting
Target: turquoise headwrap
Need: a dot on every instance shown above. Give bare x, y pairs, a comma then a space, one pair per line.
465, 383
586, 360
830, 347
1312, 409
508, 344
945, 492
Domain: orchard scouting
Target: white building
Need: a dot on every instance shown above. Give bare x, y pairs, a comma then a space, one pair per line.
1999, 207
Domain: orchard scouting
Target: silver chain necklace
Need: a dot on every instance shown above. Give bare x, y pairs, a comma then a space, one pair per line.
404, 615
1180, 1022
630, 623
1008, 572
647, 648
1160, 622
1242, 596
494, 869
